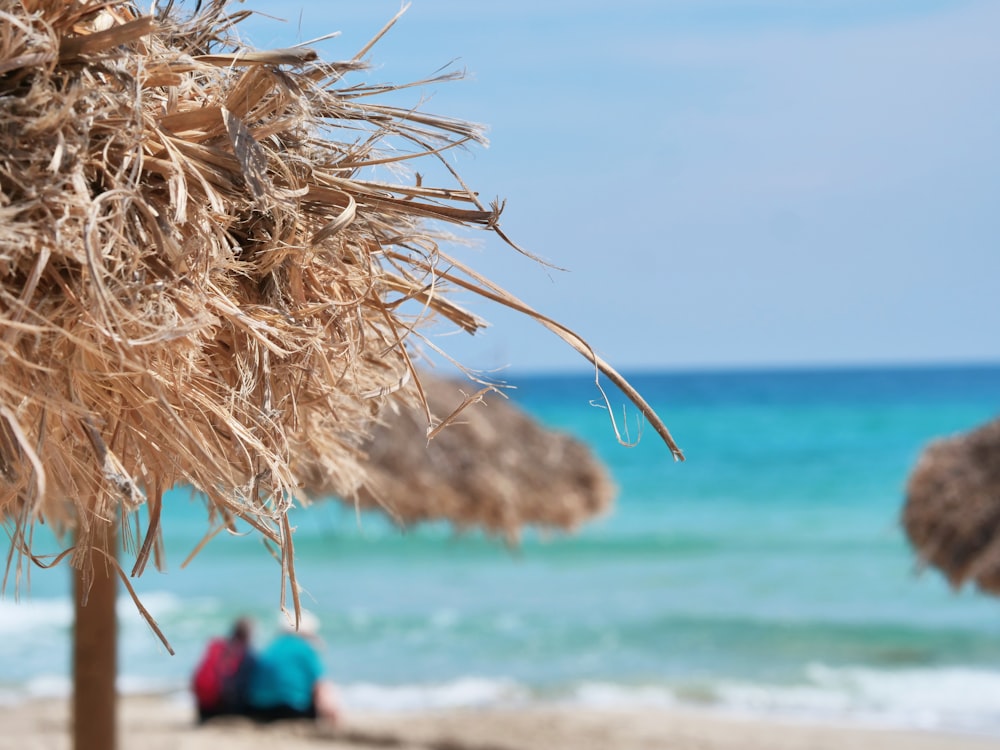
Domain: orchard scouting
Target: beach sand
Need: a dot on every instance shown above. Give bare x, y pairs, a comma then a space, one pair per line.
156, 723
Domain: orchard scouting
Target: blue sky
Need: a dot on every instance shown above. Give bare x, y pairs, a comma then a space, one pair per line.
728, 182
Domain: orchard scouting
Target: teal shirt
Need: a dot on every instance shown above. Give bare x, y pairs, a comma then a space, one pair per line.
285, 674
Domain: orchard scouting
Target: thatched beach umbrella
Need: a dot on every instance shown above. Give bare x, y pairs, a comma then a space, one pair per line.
210, 264
952, 511
495, 467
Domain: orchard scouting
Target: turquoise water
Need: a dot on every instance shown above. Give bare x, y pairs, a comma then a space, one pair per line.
767, 574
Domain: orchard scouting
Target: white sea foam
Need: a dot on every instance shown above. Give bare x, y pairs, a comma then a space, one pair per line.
48, 686
61, 686
158, 603
468, 692
610, 695
28, 615
444, 619
956, 698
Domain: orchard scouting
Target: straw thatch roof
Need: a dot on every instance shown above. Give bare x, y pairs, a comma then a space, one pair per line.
211, 265
495, 467
952, 512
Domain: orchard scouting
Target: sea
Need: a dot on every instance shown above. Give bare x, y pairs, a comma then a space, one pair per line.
767, 575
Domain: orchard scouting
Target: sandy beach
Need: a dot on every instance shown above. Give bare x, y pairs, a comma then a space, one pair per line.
156, 723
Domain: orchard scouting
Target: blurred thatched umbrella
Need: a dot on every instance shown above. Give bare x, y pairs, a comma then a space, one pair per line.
495, 467
952, 511
209, 266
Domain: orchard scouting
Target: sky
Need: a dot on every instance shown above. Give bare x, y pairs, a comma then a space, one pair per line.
728, 183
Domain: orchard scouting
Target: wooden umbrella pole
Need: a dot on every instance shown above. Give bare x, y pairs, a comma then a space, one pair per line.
95, 647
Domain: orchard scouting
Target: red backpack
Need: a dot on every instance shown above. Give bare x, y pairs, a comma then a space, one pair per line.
217, 667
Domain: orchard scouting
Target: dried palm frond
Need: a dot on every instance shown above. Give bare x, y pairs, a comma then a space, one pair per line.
201, 278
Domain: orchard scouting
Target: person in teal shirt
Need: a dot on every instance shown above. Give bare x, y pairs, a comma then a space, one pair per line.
287, 680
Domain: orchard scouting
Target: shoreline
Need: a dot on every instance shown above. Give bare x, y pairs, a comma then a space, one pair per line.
159, 721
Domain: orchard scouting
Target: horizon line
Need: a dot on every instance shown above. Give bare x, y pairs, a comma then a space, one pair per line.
753, 367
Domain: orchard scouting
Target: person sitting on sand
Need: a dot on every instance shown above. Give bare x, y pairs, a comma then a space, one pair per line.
287, 681
222, 677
